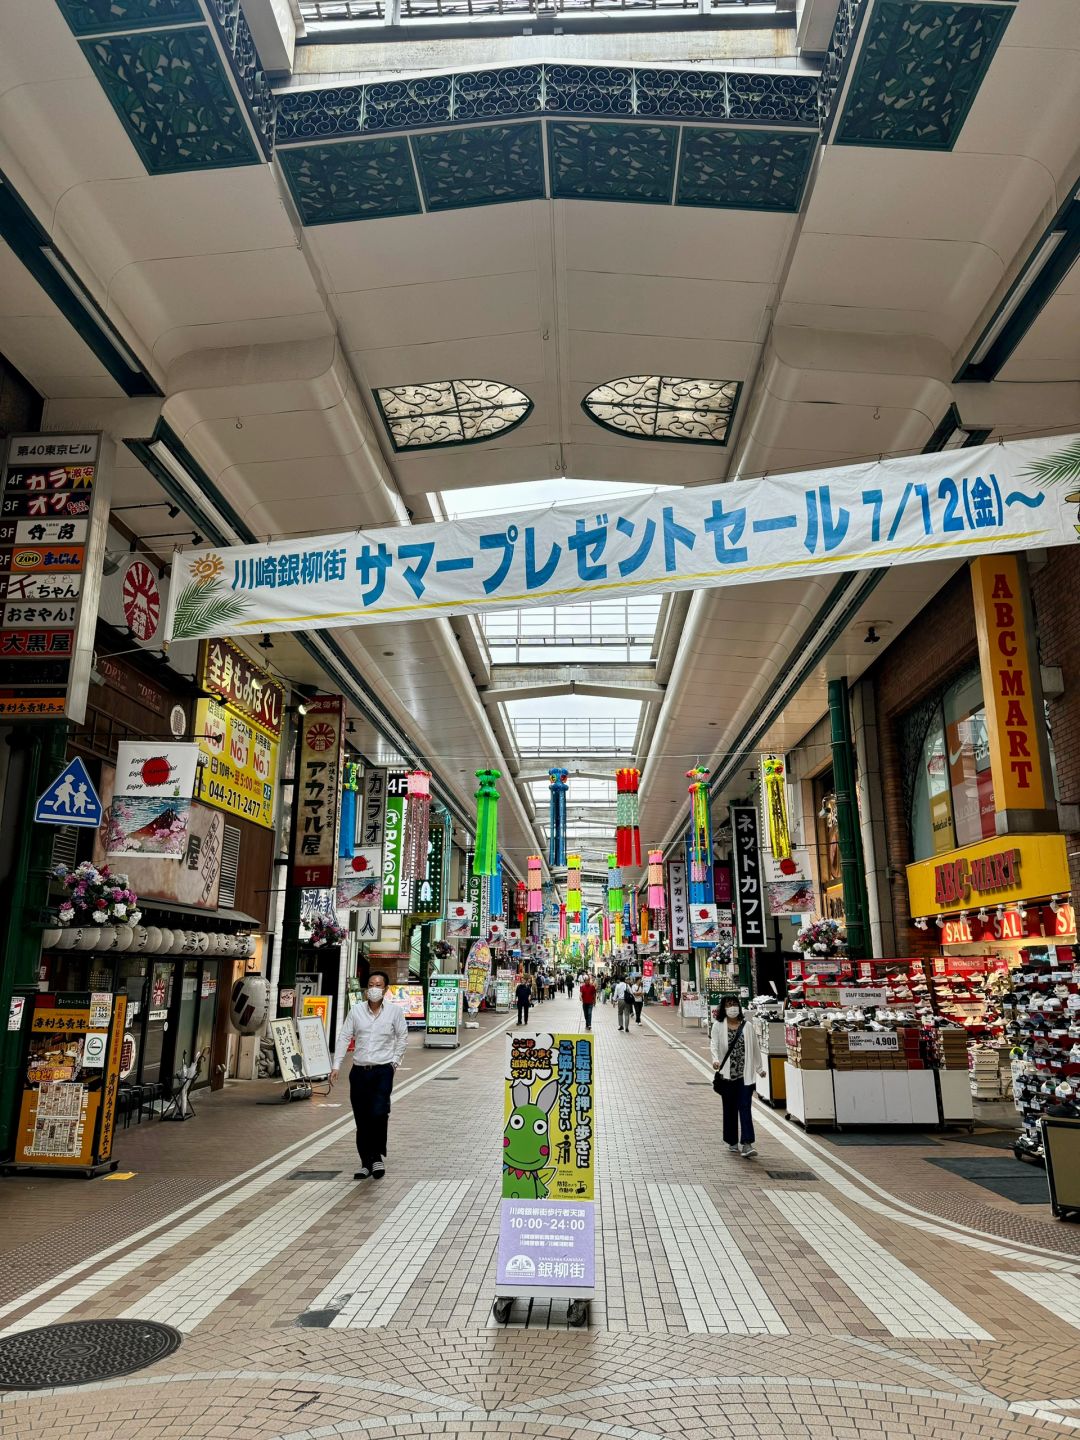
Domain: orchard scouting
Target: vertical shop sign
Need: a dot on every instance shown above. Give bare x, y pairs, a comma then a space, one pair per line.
239, 733
746, 856
322, 745
225, 671
1012, 685
679, 906
373, 798
394, 896
53, 523
428, 900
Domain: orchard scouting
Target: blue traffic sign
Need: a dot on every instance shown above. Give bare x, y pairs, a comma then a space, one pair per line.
70, 800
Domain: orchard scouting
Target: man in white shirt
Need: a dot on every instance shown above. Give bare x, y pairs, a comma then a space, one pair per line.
623, 1005
380, 1035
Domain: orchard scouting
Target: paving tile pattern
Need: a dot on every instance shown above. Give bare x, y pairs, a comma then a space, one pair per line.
729, 1303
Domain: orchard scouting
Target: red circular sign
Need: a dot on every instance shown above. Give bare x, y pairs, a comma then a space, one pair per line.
156, 771
321, 736
142, 601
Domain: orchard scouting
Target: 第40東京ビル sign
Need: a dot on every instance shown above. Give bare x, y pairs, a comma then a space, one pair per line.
1012, 496
546, 1228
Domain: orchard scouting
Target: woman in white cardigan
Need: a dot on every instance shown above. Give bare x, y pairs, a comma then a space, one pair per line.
737, 1061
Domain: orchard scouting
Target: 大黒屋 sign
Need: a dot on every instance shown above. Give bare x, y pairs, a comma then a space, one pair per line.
983, 500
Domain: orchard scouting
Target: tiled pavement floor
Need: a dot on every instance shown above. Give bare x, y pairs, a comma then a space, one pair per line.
731, 1302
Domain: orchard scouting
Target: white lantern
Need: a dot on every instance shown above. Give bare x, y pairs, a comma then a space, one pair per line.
125, 937
69, 938
90, 937
152, 939
50, 939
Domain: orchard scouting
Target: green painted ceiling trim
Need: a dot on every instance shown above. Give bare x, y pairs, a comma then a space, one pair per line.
174, 98
482, 165
352, 180
744, 169
630, 162
918, 72
95, 17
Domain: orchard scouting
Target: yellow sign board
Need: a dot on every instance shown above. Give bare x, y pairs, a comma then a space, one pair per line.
994, 872
1011, 688
241, 765
549, 1135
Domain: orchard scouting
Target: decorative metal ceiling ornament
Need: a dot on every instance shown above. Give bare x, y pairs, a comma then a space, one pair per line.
450, 412
666, 407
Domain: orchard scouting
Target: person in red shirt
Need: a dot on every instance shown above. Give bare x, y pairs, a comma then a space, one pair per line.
588, 1000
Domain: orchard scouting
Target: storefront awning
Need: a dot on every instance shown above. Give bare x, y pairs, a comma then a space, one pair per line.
235, 917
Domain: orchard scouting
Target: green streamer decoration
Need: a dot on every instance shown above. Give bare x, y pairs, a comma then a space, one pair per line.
485, 861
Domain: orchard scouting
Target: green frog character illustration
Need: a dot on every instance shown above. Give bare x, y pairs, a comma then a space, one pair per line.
526, 1142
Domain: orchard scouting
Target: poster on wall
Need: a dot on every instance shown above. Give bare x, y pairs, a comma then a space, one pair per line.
679, 907
322, 745
458, 920
359, 885
239, 732
747, 883
411, 1000
195, 881
150, 812
704, 927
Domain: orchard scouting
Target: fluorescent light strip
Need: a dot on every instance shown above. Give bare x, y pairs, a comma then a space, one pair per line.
1030, 275
165, 457
82, 295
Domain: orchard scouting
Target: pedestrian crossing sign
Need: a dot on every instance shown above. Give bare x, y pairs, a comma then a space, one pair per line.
70, 800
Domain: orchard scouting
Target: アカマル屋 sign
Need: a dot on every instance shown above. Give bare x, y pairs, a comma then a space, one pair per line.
989, 499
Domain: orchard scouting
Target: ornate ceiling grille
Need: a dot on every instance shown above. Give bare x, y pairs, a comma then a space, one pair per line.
450, 412
666, 407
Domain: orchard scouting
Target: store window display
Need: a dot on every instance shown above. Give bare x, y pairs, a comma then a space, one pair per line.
947, 779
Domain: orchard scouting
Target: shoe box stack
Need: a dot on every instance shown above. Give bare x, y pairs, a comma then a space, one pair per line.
1043, 1022
949, 1046
988, 1080
906, 1057
808, 1047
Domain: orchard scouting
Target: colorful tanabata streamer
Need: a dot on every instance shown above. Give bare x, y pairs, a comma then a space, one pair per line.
417, 825
557, 818
573, 885
487, 823
776, 812
657, 899
627, 814
536, 886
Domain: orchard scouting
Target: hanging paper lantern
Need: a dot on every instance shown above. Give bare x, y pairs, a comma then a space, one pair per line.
536, 892
557, 818
573, 884
657, 899
776, 813
487, 823
627, 833
417, 825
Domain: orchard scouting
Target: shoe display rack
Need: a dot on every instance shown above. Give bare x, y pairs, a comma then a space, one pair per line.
814, 983
1042, 1020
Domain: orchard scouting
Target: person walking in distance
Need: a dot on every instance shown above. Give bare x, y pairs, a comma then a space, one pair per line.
379, 1036
588, 1000
623, 1005
524, 1000
637, 999
737, 1063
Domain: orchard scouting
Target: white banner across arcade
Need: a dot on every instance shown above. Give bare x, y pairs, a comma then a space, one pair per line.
991, 498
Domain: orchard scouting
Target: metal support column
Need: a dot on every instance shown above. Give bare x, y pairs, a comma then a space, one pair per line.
852, 868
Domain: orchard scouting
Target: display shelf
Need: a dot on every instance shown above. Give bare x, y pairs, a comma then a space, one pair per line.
809, 1096
1043, 1015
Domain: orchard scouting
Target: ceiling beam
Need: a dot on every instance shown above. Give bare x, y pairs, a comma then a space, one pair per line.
645, 692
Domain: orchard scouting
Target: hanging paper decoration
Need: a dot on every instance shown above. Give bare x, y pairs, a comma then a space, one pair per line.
487, 823
776, 811
495, 889
562, 922
557, 818
627, 833
700, 830
536, 890
522, 897
573, 884
614, 885
657, 901
417, 825
350, 784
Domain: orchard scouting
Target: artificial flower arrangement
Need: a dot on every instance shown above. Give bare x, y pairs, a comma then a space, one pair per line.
96, 896
325, 931
822, 938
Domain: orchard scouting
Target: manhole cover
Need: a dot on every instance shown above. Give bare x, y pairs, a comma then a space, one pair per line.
81, 1352
791, 1174
314, 1175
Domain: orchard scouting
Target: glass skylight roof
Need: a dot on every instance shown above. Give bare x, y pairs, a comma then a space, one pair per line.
665, 407
450, 412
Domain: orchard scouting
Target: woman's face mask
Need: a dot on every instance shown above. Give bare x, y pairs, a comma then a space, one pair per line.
732, 1012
